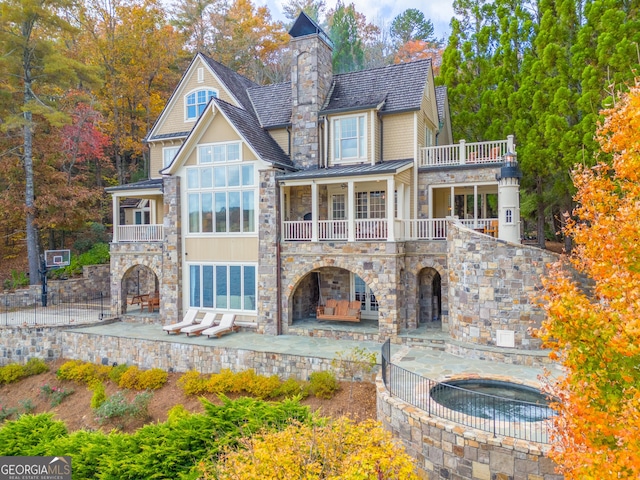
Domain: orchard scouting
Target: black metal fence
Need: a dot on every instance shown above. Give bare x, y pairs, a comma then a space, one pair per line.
53, 308
497, 415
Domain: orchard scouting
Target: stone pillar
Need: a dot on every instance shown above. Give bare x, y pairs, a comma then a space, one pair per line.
171, 276
311, 76
268, 271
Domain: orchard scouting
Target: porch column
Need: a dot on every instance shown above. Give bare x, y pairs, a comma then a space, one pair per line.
351, 212
314, 212
452, 202
475, 206
116, 217
391, 203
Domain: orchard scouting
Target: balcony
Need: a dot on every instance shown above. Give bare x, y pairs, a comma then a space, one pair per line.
138, 233
478, 153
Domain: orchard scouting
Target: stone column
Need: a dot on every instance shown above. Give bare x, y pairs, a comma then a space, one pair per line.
171, 276
268, 271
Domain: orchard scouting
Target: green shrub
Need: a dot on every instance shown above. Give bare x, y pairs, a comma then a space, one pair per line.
291, 388
97, 255
99, 394
192, 383
323, 384
116, 372
35, 366
29, 434
242, 381
7, 412
118, 407
27, 405
55, 395
12, 373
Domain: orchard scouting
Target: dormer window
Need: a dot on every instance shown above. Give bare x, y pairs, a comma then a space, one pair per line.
196, 101
349, 135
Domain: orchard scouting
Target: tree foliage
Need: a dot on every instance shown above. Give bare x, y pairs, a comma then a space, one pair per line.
348, 49
595, 329
411, 25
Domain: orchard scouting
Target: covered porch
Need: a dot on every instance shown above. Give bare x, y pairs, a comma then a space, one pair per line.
138, 212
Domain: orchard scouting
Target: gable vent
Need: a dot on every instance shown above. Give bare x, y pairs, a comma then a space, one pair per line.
200, 75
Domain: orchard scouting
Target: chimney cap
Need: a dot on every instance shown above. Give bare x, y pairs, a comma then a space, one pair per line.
304, 25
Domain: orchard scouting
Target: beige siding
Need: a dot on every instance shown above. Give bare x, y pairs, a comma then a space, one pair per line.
281, 136
174, 121
404, 177
227, 250
398, 141
220, 130
156, 156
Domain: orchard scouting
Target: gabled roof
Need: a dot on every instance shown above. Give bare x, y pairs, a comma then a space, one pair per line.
272, 104
389, 167
304, 25
258, 139
235, 83
400, 86
166, 136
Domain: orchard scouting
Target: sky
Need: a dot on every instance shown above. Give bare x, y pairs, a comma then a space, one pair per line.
379, 11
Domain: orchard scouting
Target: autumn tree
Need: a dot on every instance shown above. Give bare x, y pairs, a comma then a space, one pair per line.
139, 55
34, 70
314, 9
593, 326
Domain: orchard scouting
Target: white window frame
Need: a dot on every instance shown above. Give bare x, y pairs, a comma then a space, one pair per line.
225, 306
198, 105
361, 138
168, 154
217, 170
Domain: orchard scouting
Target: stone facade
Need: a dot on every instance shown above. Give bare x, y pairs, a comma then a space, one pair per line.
492, 285
311, 75
171, 285
267, 302
444, 450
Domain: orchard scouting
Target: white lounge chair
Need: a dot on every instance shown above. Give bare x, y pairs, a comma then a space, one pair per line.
197, 328
189, 319
226, 325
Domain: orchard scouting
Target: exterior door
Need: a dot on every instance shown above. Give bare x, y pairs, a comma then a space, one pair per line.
368, 302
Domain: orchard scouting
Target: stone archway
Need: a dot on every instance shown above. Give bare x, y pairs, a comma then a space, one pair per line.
137, 280
429, 298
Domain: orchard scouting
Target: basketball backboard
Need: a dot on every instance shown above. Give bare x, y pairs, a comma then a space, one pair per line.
57, 258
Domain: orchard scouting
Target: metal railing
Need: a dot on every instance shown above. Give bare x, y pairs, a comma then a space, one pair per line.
417, 390
54, 309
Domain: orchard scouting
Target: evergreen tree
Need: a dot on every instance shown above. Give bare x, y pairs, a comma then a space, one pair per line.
348, 50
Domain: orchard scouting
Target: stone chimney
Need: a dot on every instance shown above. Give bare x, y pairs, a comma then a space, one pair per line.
311, 77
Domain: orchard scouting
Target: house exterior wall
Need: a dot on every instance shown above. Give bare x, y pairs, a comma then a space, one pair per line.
281, 136
398, 143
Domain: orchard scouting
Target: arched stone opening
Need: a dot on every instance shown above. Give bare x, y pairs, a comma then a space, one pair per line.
137, 280
429, 298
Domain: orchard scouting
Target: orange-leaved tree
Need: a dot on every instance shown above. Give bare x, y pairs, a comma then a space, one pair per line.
593, 326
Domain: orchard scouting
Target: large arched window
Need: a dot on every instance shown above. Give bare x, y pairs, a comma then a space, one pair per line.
196, 101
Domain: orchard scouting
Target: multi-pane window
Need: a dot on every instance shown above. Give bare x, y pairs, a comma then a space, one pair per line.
196, 101
168, 154
428, 137
349, 138
221, 191
370, 204
223, 287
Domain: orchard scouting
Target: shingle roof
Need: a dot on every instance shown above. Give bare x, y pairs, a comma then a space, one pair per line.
401, 86
272, 104
236, 83
441, 98
247, 124
165, 136
391, 166
141, 185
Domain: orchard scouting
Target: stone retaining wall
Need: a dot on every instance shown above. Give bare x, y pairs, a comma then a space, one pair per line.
18, 344
444, 450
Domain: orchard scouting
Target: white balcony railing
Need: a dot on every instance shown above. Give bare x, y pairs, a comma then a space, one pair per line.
139, 233
466, 153
368, 230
